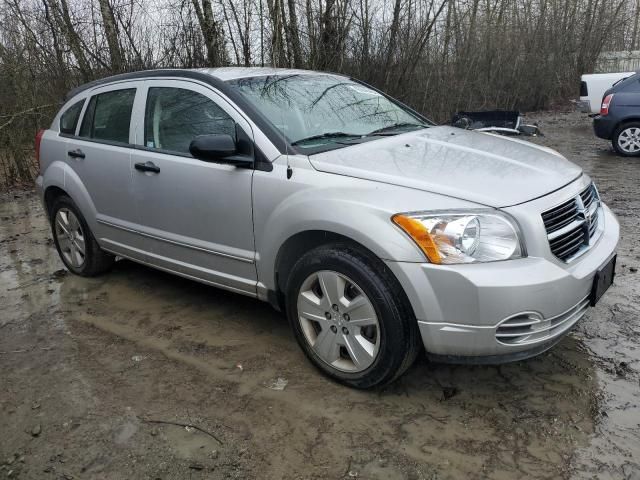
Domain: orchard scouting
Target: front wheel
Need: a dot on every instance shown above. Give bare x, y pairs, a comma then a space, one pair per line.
626, 139
351, 317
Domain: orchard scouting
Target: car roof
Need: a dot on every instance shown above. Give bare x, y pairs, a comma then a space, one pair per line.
234, 73
213, 76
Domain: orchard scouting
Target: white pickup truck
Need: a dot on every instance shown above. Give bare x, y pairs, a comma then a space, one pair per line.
593, 86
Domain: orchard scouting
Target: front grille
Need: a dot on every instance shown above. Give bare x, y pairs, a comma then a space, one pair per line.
572, 226
527, 328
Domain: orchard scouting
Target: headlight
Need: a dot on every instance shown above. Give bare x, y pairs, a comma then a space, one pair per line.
464, 237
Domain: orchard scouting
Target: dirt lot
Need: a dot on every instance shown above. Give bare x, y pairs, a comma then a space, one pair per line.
98, 377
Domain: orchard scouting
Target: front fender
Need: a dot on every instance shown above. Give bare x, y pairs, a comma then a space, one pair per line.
360, 210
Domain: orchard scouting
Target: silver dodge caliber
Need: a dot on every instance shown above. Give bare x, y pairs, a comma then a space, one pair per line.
376, 231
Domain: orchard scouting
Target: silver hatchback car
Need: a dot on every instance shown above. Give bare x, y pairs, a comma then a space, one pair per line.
376, 231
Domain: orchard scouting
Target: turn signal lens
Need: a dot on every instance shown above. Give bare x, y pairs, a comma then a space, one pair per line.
418, 232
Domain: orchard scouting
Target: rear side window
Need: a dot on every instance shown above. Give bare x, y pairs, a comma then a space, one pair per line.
175, 116
108, 116
69, 119
633, 87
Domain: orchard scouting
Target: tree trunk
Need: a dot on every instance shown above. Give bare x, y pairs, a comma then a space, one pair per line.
212, 33
393, 39
111, 32
277, 39
294, 38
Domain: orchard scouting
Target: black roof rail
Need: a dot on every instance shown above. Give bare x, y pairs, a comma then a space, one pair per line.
162, 72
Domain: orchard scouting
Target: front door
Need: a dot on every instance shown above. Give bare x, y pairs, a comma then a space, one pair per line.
196, 215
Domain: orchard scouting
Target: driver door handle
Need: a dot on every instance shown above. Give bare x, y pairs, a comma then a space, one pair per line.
76, 153
147, 167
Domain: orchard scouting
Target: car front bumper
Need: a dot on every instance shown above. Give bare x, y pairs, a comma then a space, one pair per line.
460, 307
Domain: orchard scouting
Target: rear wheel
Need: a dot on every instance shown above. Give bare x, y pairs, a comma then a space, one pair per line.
626, 139
74, 241
351, 317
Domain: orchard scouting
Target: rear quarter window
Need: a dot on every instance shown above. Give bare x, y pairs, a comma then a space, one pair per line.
108, 116
69, 119
634, 86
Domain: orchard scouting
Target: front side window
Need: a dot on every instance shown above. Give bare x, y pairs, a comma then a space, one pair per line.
108, 116
175, 116
315, 109
69, 119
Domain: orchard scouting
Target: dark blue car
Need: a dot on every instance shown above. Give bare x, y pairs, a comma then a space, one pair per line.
619, 119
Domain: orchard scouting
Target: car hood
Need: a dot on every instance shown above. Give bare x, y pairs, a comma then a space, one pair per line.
479, 167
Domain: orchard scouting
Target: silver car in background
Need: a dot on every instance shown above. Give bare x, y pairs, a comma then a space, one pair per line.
376, 231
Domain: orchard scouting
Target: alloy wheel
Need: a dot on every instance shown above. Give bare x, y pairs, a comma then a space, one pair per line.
70, 236
629, 140
338, 321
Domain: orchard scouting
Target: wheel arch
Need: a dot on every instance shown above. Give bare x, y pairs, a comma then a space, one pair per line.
50, 194
302, 242
622, 122
60, 179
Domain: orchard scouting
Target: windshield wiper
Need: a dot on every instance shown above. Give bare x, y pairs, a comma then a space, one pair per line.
388, 130
327, 135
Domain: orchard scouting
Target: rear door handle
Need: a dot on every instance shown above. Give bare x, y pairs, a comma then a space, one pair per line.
147, 167
76, 153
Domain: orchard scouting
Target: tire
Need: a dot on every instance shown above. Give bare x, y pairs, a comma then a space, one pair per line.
626, 139
383, 351
69, 237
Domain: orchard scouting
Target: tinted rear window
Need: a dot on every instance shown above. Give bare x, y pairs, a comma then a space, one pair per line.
69, 119
108, 116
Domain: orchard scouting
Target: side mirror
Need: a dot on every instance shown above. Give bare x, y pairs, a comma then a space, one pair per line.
212, 147
220, 148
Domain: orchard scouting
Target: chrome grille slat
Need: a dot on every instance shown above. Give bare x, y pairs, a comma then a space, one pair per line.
510, 323
553, 211
576, 223
559, 217
568, 243
572, 225
550, 216
514, 331
570, 249
576, 232
560, 221
588, 196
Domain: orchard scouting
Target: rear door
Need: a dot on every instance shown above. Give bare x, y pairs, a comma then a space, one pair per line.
196, 215
99, 153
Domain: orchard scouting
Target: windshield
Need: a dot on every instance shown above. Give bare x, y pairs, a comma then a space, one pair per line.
317, 109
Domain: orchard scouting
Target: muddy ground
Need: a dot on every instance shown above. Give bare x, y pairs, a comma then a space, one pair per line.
99, 376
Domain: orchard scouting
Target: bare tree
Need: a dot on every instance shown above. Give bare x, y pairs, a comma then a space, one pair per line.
111, 32
212, 32
436, 55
